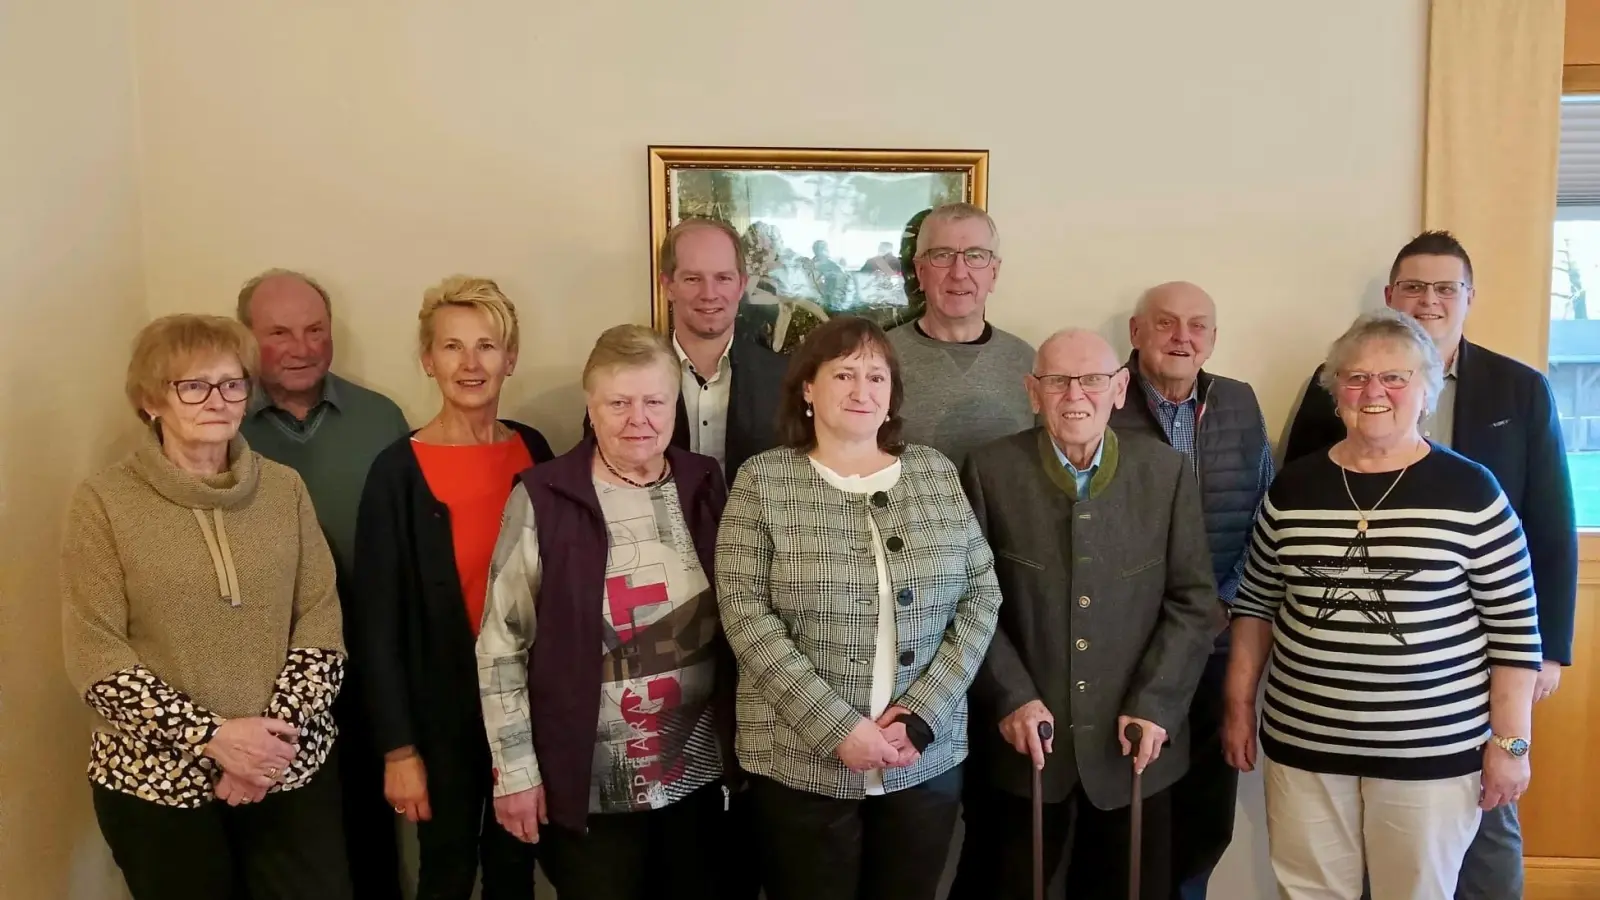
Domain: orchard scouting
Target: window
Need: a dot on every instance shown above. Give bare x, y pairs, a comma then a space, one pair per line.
1574, 312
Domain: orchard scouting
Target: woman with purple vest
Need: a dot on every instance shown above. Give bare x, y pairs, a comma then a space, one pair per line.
606, 683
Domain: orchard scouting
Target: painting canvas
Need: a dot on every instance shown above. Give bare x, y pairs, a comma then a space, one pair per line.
824, 232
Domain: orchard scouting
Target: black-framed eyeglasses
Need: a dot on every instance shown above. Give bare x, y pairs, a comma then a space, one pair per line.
1092, 383
945, 257
195, 391
1444, 290
1394, 379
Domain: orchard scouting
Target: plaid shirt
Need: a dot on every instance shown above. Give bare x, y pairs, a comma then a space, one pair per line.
1180, 423
798, 588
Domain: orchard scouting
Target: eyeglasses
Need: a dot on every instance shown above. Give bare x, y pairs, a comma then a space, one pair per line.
195, 391
1093, 383
945, 257
1394, 379
1444, 290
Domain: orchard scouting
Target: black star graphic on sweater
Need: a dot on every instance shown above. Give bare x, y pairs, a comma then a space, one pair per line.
1367, 599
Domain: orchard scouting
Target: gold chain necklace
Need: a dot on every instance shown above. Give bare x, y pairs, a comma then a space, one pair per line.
1361, 524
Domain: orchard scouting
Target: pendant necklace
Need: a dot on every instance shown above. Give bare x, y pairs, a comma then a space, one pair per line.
666, 472
1361, 524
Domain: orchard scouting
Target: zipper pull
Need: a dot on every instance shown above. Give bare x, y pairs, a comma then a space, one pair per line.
725, 798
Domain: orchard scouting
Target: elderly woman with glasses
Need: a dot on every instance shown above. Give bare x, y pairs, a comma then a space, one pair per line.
201, 623
859, 596
1388, 583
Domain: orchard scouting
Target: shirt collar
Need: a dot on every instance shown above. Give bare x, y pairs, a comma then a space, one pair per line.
683, 358
1160, 399
1099, 453
260, 400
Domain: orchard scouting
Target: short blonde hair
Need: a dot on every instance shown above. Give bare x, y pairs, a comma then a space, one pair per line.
469, 292
669, 244
165, 348
629, 347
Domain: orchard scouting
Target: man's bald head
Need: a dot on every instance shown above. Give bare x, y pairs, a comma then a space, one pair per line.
1068, 350
1174, 329
1076, 383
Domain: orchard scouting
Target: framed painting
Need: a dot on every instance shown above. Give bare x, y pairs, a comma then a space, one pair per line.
823, 232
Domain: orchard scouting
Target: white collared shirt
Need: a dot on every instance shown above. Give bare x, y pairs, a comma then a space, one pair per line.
705, 400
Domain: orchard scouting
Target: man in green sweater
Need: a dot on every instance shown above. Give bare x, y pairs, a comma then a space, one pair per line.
328, 430
964, 378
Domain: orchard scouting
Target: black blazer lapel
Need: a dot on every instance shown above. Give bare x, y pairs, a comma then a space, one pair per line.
680, 429
1467, 424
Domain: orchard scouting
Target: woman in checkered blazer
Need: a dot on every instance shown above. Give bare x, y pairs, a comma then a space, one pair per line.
859, 596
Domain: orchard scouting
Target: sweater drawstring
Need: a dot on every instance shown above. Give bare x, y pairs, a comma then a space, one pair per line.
221, 556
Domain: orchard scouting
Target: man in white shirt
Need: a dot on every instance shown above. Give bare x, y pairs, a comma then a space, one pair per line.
730, 385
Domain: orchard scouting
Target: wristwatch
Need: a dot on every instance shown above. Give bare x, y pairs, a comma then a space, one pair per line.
1517, 747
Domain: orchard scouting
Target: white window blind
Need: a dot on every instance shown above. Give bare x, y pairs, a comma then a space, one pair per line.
1578, 173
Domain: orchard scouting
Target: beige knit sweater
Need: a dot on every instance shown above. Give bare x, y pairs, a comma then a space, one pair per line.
188, 601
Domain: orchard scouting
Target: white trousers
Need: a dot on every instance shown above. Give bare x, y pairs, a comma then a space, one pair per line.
1324, 831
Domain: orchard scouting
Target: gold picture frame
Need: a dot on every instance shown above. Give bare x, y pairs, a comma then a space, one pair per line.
845, 204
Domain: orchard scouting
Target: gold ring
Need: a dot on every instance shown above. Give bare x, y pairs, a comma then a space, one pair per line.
272, 773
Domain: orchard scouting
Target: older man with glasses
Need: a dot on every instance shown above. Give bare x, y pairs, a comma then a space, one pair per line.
963, 376
1501, 414
1109, 616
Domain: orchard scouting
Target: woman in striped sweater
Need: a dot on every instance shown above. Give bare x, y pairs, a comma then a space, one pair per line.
1388, 580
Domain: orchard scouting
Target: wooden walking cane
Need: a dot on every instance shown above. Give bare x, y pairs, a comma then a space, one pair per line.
1135, 815
1045, 733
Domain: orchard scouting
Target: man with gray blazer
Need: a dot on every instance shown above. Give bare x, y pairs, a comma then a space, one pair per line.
1109, 613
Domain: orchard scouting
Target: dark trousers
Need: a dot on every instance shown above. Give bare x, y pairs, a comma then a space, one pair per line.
889, 847
1203, 800
290, 846
997, 856
371, 844
673, 853
463, 835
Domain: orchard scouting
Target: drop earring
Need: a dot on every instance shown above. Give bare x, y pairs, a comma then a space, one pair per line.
808, 410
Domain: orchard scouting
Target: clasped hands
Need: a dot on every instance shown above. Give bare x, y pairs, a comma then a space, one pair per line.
881, 744
1021, 731
254, 754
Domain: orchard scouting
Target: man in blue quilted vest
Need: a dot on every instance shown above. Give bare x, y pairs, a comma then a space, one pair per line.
1217, 424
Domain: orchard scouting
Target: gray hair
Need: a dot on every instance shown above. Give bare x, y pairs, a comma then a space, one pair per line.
956, 212
248, 292
630, 347
1387, 325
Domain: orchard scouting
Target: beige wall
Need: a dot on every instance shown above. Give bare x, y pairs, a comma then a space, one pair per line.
71, 294
1270, 151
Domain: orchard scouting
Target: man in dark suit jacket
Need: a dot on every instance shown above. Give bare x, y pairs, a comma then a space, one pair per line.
729, 397
1500, 413
730, 385
1109, 616
726, 408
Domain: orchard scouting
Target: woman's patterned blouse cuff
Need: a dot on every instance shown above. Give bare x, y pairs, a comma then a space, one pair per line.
138, 703
307, 685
